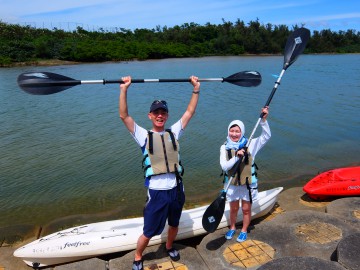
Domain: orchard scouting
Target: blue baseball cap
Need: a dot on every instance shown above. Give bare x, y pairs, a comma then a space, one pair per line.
159, 104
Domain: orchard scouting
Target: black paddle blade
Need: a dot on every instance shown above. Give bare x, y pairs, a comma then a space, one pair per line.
213, 214
244, 78
295, 45
44, 83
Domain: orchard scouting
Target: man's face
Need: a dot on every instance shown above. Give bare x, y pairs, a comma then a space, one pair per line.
158, 118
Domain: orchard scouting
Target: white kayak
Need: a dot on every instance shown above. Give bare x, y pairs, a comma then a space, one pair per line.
106, 237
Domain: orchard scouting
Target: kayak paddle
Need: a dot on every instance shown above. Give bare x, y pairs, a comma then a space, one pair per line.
46, 83
295, 45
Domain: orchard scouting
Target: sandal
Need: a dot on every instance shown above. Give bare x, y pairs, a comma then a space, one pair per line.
173, 254
137, 265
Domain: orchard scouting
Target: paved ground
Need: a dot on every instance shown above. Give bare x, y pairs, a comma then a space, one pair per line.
297, 234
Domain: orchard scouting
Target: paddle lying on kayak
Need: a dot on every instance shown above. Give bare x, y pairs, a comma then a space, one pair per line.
46, 83
295, 45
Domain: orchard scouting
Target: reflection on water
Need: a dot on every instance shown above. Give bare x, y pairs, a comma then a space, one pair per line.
69, 154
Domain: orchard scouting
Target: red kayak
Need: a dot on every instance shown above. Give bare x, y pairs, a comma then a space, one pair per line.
337, 182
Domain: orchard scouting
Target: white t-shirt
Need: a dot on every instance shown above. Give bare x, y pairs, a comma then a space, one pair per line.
163, 181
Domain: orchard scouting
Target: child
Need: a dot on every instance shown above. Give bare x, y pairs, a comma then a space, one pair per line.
244, 183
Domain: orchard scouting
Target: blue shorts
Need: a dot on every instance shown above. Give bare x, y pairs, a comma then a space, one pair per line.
163, 205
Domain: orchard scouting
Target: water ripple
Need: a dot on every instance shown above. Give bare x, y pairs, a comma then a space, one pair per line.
69, 153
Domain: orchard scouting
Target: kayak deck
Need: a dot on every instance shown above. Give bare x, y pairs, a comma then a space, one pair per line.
337, 182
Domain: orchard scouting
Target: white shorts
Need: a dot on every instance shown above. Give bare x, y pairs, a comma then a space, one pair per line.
236, 193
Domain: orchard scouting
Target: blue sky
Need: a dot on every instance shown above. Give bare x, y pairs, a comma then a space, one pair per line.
131, 14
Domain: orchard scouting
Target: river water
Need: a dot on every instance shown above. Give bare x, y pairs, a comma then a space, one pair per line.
69, 153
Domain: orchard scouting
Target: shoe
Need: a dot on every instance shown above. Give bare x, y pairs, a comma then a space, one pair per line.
242, 237
229, 235
173, 254
137, 265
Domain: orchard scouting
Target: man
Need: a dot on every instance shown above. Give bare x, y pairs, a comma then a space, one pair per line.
162, 168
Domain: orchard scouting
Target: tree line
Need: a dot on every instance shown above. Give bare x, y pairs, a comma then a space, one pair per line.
20, 44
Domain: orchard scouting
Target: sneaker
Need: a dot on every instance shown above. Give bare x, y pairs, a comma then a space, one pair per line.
229, 235
137, 265
242, 237
173, 254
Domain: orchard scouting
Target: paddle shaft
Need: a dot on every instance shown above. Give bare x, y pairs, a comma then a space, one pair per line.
294, 47
148, 81
70, 83
277, 83
46, 83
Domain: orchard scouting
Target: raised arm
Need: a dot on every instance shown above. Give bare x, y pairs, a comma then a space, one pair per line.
123, 108
257, 143
190, 111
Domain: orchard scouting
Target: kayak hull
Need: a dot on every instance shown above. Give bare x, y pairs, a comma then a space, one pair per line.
106, 237
338, 182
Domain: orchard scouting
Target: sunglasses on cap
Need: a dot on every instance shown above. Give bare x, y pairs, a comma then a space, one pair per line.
159, 101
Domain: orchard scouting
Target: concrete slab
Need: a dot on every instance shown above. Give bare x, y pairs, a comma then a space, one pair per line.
155, 257
301, 263
9, 262
348, 252
347, 209
285, 234
93, 263
303, 233
248, 254
296, 199
212, 248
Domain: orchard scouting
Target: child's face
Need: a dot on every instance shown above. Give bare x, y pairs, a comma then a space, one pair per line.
235, 133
